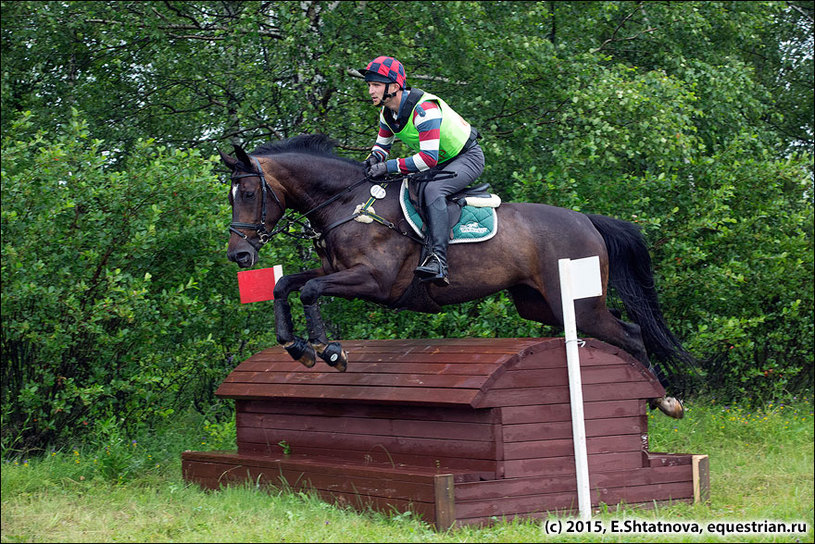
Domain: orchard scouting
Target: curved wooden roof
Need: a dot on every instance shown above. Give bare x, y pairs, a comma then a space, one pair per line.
474, 372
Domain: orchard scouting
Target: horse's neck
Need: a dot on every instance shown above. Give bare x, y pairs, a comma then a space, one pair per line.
310, 183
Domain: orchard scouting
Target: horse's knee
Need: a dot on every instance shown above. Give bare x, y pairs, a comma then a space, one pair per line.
282, 288
310, 293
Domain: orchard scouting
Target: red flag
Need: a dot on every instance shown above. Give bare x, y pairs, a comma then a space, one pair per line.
258, 285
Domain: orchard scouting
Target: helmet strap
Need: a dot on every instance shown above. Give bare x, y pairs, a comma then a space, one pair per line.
387, 95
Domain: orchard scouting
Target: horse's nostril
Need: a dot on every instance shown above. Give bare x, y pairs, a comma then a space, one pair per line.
244, 258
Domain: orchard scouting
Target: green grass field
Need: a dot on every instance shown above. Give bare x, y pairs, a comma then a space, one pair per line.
129, 489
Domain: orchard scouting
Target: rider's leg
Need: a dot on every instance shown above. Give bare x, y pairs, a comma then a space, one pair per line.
466, 167
434, 267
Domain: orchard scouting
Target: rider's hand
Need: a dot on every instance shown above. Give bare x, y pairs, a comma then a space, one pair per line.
377, 170
372, 160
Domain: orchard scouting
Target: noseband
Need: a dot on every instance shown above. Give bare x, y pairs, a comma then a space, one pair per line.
263, 234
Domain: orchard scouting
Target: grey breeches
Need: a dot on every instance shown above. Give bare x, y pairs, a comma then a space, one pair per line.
467, 166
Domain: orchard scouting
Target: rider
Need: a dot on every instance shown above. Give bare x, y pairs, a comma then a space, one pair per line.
440, 139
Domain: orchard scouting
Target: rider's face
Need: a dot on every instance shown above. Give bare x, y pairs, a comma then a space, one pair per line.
376, 90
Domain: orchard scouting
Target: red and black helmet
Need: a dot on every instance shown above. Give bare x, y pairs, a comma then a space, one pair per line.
385, 70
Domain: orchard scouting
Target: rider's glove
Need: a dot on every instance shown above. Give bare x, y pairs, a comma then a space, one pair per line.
372, 160
377, 170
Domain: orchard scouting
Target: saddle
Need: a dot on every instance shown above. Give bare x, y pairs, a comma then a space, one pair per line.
471, 211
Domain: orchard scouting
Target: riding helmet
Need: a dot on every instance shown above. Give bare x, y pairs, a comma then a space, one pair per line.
385, 70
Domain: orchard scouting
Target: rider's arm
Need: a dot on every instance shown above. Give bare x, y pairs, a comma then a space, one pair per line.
384, 140
427, 119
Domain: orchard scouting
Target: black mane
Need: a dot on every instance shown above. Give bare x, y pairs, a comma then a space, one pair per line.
313, 144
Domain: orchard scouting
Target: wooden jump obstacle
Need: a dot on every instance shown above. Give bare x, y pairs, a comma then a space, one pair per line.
461, 431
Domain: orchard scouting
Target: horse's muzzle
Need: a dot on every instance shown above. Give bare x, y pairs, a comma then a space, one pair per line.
242, 253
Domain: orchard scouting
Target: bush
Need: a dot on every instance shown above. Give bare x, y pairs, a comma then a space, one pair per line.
117, 296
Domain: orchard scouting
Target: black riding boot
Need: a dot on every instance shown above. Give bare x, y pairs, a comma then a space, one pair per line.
434, 267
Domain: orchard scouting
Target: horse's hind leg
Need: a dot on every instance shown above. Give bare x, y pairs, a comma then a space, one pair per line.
532, 305
597, 321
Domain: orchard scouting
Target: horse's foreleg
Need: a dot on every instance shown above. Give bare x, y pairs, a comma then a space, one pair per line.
351, 283
330, 352
298, 348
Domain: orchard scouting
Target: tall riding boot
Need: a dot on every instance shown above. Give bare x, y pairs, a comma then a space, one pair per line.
434, 267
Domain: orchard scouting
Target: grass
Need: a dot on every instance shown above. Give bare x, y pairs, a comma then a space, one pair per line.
131, 490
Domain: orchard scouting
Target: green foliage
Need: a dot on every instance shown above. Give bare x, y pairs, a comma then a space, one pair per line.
116, 296
692, 119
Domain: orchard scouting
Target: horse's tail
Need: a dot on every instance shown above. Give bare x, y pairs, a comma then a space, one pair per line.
630, 274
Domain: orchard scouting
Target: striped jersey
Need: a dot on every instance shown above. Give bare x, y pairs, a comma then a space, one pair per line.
427, 117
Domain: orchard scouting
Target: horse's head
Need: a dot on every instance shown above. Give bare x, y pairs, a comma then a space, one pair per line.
256, 208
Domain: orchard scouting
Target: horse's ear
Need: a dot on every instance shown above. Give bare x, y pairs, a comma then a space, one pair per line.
230, 162
242, 156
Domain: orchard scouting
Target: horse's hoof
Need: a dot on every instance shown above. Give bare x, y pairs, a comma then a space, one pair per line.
334, 355
669, 406
302, 351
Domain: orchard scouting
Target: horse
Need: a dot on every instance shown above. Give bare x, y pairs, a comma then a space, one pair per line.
302, 182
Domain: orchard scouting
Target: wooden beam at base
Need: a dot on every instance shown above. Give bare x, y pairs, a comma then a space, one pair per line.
445, 501
701, 479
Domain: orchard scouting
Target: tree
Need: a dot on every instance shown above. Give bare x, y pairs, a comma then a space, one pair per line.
693, 119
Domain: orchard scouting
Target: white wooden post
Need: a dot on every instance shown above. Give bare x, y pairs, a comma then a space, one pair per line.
578, 279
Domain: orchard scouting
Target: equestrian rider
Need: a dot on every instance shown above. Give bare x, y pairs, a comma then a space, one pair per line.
439, 138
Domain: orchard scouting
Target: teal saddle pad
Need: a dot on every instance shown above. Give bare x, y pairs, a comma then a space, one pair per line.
475, 225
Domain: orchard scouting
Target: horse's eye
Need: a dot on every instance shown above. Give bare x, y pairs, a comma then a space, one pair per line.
249, 194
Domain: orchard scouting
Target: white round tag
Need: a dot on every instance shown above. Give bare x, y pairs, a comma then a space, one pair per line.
377, 191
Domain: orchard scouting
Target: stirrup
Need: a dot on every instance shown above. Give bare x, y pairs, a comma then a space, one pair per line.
430, 267
432, 270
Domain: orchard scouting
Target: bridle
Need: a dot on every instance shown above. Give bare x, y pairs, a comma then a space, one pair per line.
263, 234
302, 221
266, 235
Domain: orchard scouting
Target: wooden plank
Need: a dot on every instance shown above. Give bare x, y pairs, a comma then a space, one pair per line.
420, 488
394, 445
374, 426
397, 395
560, 395
552, 354
463, 414
534, 485
444, 381
701, 478
468, 365
512, 505
312, 465
445, 503
558, 448
562, 412
424, 510
602, 462
620, 373
482, 468
560, 501
418, 347
455, 361
525, 432
656, 459
676, 491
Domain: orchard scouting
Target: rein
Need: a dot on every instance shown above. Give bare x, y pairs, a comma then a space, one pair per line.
266, 235
310, 234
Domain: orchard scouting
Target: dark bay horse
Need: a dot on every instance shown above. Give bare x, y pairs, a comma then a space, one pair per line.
375, 261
